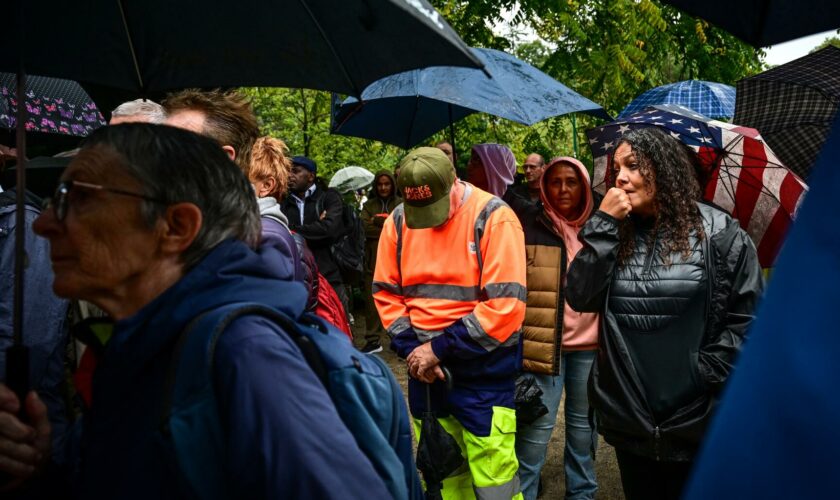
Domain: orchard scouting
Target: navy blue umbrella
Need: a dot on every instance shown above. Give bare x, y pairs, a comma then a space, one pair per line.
711, 99
406, 108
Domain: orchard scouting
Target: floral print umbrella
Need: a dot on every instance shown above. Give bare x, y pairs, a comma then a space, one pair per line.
53, 105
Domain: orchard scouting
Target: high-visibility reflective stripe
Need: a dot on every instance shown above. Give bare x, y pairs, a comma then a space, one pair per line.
427, 335
398, 216
501, 492
455, 292
445, 292
379, 286
478, 334
506, 290
399, 325
480, 223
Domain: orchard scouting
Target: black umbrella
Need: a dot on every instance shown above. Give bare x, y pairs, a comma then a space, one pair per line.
766, 22
152, 45
149, 45
438, 454
793, 106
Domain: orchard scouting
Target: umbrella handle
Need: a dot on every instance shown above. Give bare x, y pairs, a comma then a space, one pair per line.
447, 380
17, 373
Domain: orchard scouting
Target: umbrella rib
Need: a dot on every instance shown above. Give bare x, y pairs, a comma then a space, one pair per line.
131, 47
357, 91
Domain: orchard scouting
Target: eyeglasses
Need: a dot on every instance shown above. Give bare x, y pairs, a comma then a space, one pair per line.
61, 198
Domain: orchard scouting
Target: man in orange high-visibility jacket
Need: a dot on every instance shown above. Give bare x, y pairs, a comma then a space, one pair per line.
449, 285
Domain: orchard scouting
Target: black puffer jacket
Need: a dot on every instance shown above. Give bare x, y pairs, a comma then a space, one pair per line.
669, 334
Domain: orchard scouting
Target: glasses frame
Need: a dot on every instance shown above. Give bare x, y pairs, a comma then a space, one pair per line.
60, 199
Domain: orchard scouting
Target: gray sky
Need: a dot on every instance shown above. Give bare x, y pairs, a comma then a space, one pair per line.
794, 49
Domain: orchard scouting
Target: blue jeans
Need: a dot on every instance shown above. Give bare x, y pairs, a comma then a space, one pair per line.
581, 439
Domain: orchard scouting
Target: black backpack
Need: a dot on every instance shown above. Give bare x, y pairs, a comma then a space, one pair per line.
348, 250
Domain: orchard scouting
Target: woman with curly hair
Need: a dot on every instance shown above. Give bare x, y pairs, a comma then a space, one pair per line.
676, 282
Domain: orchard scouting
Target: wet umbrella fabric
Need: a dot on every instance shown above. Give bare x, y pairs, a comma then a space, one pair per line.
711, 99
154, 45
793, 106
53, 105
407, 108
351, 178
739, 172
766, 22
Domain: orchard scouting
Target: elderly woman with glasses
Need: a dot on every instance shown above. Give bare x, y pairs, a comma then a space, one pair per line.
156, 225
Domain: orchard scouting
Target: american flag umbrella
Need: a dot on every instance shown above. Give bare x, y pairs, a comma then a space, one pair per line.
739, 172
712, 99
793, 106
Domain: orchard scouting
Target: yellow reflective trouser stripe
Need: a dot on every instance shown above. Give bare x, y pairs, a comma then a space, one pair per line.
491, 464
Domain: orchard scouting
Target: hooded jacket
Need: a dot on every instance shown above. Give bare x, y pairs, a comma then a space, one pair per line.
669, 333
268, 396
275, 233
373, 225
550, 325
499, 166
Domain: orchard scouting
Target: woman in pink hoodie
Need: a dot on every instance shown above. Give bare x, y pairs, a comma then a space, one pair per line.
559, 344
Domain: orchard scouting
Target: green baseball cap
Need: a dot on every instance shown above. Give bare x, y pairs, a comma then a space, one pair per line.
426, 176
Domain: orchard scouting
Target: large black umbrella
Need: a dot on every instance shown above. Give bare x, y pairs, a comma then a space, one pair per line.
766, 22
148, 45
793, 106
406, 108
153, 45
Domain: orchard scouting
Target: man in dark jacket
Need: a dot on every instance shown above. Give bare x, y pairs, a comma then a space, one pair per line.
138, 227
383, 200
315, 214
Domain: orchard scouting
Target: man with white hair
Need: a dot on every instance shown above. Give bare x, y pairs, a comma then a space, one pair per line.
138, 110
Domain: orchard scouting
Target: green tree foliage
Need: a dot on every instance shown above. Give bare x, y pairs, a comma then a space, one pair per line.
607, 50
835, 41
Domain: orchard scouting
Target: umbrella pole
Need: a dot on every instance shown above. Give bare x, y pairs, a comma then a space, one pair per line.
17, 355
452, 137
574, 135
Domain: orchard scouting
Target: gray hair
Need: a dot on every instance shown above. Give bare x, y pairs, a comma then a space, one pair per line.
141, 107
174, 166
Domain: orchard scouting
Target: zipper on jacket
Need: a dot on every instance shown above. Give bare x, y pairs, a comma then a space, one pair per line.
656, 443
651, 252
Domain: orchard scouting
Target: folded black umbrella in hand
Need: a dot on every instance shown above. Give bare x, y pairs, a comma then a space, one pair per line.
438, 454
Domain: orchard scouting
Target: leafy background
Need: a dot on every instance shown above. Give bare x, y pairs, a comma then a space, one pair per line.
607, 50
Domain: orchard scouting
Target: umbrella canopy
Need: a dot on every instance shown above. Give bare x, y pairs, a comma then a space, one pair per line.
407, 108
711, 99
53, 105
351, 178
161, 45
740, 173
793, 105
766, 22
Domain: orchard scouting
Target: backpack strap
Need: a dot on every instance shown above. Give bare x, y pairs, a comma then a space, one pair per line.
191, 363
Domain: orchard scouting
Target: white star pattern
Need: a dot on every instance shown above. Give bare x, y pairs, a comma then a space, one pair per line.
623, 128
594, 140
675, 121
675, 135
607, 145
693, 130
